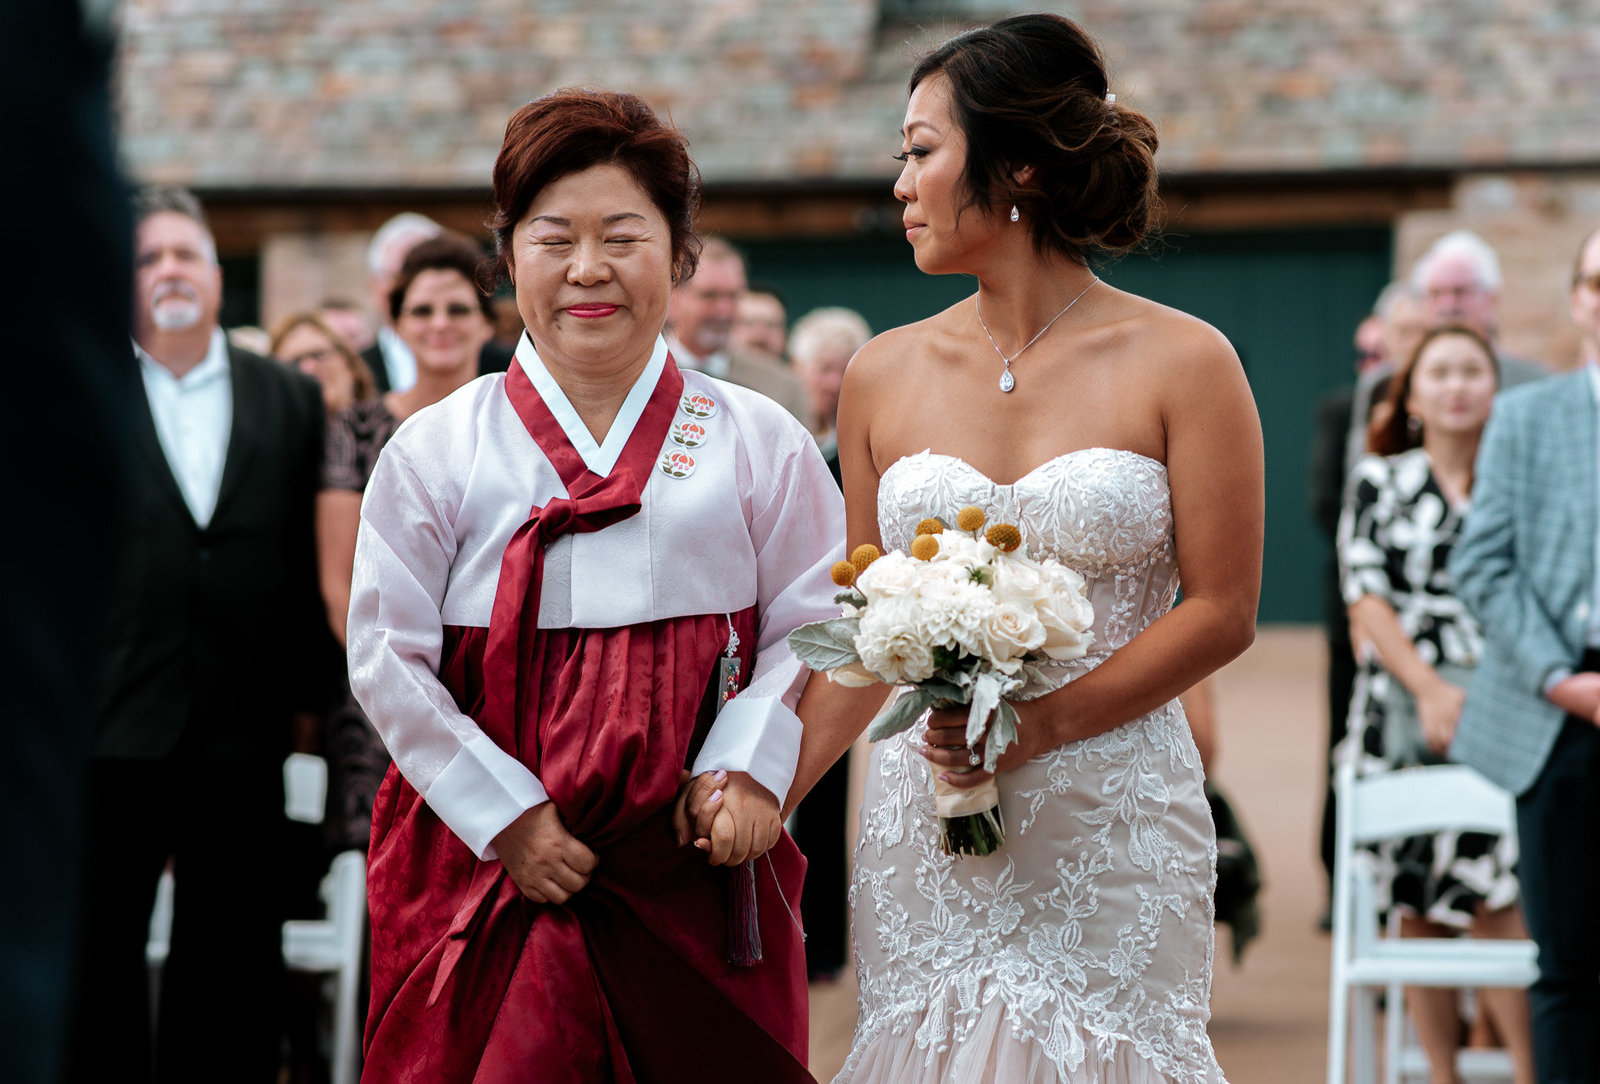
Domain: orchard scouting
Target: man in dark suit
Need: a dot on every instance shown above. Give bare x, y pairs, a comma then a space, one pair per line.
215, 634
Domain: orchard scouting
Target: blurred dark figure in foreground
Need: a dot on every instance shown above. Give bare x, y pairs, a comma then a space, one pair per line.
70, 311
216, 640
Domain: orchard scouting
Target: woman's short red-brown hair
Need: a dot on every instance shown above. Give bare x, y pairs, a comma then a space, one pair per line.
575, 128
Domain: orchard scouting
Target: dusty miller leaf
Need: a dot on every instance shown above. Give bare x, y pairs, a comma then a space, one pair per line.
899, 715
1002, 733
826, 645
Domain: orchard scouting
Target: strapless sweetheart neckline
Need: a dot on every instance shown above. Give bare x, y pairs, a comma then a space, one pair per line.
1100, 449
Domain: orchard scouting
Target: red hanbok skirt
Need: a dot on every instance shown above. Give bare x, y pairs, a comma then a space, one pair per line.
627, 981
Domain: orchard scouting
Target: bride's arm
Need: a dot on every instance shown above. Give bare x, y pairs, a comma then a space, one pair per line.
833, 716
1214, 467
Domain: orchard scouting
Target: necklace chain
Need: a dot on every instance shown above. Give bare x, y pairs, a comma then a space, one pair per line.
1007, 381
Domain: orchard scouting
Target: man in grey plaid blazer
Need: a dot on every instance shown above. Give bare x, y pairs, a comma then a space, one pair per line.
1526, 567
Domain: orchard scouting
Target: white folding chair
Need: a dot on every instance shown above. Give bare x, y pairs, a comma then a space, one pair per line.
333, 945
1391, 805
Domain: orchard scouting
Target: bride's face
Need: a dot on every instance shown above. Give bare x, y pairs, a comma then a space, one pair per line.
931, 182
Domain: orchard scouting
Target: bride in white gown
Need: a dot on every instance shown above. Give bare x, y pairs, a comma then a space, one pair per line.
1121, 437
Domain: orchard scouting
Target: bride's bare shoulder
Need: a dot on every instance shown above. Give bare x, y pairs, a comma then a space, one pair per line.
1178, 345
901, 352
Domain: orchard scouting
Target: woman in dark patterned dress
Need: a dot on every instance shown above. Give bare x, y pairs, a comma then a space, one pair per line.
445, 319
1403, 512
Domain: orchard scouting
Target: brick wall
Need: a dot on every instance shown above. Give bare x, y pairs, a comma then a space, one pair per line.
390, 93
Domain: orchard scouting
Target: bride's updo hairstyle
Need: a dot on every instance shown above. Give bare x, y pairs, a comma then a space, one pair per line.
1031, 91
568, 131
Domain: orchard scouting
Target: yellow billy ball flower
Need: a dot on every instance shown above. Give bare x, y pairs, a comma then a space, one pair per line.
1005, 537
844, 573
925, 547
970, 518
930, 526
863, 555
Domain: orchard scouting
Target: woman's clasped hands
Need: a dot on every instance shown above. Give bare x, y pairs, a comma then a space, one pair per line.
728, 815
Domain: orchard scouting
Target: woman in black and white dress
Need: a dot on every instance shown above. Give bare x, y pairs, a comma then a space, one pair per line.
1403, 512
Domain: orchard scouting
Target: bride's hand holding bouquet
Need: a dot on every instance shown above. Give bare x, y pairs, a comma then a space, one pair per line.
960, 620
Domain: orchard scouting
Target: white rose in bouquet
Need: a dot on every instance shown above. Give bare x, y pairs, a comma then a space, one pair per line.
892, 641
1019, 579
1066, 614
967, 552
893, 575
1011, 631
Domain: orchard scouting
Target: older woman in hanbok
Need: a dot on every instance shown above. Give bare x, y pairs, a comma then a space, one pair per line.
561, 574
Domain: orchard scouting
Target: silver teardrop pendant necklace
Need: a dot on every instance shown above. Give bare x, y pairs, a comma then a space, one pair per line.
1007, 381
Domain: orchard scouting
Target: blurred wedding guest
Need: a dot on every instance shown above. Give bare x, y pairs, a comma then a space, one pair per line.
1459, 280
1418, 644
349, 321
1332, 425
700, 315
72, 405
1526, 566
508, 325
216, 630
307, 342
761, 324
700, 322
1403, 318
561, 574
444, 319
822, 344
389, 358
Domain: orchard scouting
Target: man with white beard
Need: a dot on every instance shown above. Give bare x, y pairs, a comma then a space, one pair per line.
215, 640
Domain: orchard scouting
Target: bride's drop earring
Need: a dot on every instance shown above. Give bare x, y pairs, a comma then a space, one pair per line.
1015, 217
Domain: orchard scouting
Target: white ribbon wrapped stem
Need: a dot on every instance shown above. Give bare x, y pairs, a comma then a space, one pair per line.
951, 801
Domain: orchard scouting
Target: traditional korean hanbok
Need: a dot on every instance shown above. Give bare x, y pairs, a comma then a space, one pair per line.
536, 616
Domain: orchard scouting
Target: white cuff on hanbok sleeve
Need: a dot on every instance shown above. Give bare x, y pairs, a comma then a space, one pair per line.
758, 735
481, 791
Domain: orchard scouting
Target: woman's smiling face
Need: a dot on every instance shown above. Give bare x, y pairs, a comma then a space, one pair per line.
591, 261
1452, 385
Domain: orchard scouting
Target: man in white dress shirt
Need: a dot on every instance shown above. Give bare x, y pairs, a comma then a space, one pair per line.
215, 639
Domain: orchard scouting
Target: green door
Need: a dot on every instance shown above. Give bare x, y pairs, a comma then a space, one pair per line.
1289, 301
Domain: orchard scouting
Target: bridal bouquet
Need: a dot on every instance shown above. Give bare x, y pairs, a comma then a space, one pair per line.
961, 619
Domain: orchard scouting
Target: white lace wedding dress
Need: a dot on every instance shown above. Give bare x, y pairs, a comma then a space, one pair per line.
1081, 950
